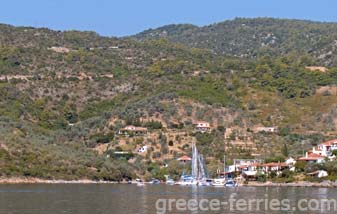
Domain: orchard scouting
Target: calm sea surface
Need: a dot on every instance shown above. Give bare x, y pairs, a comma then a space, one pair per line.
124, 198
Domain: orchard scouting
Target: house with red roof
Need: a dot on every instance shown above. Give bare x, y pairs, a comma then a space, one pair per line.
274, 167
326, 148
319, 153
184, 159
313, 158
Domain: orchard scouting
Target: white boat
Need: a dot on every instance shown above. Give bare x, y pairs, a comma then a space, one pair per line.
154, 181
187, 180
231, 183
218, 182
140, 184
170, 182
205, 182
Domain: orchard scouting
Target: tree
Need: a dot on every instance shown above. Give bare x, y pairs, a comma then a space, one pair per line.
300, 166
284, 150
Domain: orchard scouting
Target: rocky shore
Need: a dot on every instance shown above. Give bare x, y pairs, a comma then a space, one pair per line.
295, 184
43, 181
26, 180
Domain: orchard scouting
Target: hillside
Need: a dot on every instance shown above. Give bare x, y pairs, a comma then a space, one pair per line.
255, 37
64, 97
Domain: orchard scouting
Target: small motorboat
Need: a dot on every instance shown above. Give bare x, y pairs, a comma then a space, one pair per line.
231, 183
218, 182
139, 182
154, 181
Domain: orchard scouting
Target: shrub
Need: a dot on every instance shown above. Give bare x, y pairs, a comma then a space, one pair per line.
154, 125
261, 178
156, 155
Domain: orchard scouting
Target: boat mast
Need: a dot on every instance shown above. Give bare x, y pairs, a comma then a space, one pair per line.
224, 166
194, 161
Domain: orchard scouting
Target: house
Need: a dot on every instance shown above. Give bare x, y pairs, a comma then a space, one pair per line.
231, 168
202, 126
326, 148
250, 171
184, 159
290, 161
241, 163
291, 164
320, 152
248, 168
312, 158
132, 130
274, 167
244, 165
270, 129
319, 174
250, 175
142, 149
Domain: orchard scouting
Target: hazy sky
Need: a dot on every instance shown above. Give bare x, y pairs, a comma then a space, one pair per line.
125, 17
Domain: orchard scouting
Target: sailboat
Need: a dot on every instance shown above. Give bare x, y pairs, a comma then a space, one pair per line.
199, 172
220, 182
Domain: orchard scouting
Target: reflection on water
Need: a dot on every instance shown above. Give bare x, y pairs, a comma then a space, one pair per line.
118, 198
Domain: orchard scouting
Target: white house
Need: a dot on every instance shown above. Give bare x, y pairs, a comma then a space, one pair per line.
202, 126
142, 149
270, 129
320, 152
312, 158
326, 148
290, 161
319, 173
133, 129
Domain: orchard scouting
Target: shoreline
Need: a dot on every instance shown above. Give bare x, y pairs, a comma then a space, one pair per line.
87, 181
45, 181
294, 184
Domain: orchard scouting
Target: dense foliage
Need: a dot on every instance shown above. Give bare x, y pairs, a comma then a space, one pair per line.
255, 37
65, 95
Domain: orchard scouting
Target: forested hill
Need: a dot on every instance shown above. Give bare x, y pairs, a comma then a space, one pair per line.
64, 97
254, 37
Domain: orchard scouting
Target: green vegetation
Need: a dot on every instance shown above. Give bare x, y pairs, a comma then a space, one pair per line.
65, 95
254, 37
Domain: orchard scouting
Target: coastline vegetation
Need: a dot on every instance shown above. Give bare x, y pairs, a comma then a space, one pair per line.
65, 95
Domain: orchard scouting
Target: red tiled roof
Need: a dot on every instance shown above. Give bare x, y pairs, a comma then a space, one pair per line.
315, 155
312, 156
222, 173
314, 173
248, 165
202, 124
274, 164
330, 142
184, 158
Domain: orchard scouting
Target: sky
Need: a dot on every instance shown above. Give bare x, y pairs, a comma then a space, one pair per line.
127, 17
